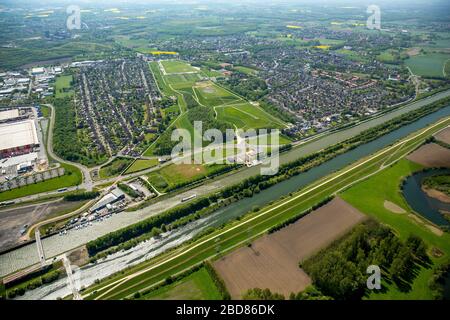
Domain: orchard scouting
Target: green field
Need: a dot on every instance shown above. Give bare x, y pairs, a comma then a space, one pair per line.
211, 95
388, 56
246, 70
176, 174
72, 177
176, 66
63, 86
140, 165
246, 116
369, 196
114, 168
429, 64
196, 286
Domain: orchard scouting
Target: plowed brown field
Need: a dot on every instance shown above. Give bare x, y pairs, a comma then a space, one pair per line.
431, 155
273, 260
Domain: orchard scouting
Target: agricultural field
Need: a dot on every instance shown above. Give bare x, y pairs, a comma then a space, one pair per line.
429, 64
432, 156
196, 286
444, 136
272, 261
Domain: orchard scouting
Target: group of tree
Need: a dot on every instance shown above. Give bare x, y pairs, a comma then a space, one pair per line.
340, 270
81, 196
262, 294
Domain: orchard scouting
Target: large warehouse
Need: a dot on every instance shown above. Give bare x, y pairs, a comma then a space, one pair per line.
9, 115
17, 138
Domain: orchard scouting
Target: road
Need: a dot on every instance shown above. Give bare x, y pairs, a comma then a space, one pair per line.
87, 180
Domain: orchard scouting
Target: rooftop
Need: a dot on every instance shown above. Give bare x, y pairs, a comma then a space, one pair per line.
18, 134
9, 114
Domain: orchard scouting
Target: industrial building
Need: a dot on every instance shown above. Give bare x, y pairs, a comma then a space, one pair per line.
111, 198
21, 138
9, 115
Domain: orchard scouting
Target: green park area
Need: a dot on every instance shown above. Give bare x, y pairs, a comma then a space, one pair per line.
142, 164
72, 177
63, 86
176, 66
175, 175
196, 286
114, 168
199, 98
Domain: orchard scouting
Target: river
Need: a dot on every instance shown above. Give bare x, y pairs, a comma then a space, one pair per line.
423, 204
144, 251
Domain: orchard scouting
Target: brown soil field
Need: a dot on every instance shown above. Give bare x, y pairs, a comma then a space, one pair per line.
273, 261
12, 220
431, 155
444, 135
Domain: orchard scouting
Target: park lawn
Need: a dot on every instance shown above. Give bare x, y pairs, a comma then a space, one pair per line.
369, 196
210, 73
211, 95
177, 66
246, 116
141, 164
176, 174
429, 64
189, 78
72, 177
116, 167
246, 70
196, 286
63, 87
